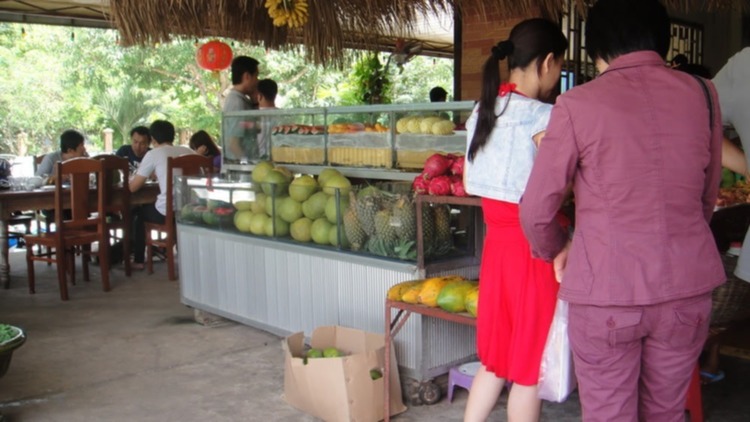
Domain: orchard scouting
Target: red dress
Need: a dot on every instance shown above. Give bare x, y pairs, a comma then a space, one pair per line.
517, 296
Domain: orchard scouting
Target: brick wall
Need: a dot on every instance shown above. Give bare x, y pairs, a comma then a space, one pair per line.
482, 30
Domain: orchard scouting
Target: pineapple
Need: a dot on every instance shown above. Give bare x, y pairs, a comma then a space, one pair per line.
443, 237
405, 219
428, 230
365, 208
385, 233
354, 233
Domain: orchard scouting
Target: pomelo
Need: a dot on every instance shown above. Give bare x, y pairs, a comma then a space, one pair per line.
333, 237
315, 206
337, 182
302, 188
330, 211
242, 221
288, 175
258, 206
289, 210
326, 174
282, 227
300, 230
272, 202
258, 224
275, 183
260, 170
319, 231
244, 205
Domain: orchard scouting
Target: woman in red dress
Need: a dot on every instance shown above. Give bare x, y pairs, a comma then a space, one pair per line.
517, 293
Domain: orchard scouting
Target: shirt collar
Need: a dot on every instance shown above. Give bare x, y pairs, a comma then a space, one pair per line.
638, 58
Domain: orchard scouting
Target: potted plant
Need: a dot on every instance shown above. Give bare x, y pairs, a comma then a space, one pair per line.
11, 338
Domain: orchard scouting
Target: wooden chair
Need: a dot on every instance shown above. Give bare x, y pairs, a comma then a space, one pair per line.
81, 230
116, 173
188, 165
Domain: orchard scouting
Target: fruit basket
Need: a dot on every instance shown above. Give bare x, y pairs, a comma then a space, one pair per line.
14, 339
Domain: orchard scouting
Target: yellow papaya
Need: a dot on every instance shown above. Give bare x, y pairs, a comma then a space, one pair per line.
471, 301
431, 289
411, 294
395, 292
453, 296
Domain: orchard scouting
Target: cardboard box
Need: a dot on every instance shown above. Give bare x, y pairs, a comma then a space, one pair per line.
340, 389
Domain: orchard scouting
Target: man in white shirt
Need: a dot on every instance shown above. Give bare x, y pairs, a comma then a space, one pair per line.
154, 162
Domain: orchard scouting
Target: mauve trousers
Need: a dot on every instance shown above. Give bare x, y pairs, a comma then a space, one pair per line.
634, 363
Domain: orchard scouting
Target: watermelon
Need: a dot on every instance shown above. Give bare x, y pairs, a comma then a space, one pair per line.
453, 296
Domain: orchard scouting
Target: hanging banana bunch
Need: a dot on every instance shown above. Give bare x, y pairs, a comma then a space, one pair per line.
292, 13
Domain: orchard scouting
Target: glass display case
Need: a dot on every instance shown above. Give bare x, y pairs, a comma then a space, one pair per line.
393, 137
373, 218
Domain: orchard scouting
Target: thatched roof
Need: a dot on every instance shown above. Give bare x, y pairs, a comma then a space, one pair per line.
332, 25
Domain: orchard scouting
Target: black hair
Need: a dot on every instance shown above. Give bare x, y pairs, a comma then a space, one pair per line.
679, 60
70, 140
241, 65
202, 138
141, 130
529, 41
617, 27
438, 94
162, 131
268, 88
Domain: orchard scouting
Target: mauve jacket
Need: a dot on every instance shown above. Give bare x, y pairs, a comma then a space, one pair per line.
637, 144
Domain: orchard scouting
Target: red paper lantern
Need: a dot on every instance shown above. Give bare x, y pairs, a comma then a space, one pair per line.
214, 55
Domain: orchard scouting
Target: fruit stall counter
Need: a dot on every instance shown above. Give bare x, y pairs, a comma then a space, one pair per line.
291, 254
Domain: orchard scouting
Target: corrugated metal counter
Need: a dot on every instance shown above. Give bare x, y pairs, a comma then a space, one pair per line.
282, 287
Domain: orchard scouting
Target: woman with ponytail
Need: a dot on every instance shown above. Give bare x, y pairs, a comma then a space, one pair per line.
517, 292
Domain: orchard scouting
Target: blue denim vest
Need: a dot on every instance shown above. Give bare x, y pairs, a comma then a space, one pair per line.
501, 169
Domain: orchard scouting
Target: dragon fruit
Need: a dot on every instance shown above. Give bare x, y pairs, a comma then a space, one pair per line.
436, 165
440, 185
457, 167
457, 186
420, 184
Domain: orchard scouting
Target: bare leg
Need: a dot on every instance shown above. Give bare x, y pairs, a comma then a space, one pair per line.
485, 389
524, 404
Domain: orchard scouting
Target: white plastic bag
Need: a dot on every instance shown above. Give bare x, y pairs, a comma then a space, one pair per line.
556, 377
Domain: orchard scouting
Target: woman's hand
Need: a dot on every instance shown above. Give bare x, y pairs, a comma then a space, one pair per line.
560, 261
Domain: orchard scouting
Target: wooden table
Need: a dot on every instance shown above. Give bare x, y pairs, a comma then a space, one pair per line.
43, 199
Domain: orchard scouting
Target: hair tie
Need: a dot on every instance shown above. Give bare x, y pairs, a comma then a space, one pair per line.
502, 50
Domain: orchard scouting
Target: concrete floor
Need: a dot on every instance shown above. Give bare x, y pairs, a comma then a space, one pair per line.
136, 354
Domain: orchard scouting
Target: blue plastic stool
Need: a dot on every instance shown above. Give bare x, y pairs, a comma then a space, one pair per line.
461, 376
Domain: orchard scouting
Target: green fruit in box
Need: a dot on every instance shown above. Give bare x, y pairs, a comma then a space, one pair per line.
302, 188
300, 230
341, 183
330, 210
282, 227
258, 205
258, 224
315, 207
326, 174
319, 231
314, 353
331, 352
260, 171
289, 210
242, 221
728, 178
472, 300
275, 183
452, 297
375, 374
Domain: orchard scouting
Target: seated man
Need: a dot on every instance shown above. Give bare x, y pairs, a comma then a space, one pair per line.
71, 146
154, 162
140, 142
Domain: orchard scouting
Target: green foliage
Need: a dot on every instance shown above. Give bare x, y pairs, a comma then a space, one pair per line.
52, 83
